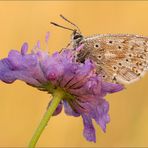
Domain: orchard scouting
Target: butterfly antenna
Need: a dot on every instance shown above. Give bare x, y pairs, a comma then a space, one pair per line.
70, 22
55, 24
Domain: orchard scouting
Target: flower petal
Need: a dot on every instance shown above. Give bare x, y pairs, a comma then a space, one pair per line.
81, 74
111, 87
89, 131
68, 110
24, 48
47, 37
101, 114
5, 74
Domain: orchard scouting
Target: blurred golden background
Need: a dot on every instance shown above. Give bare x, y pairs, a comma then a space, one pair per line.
22, 107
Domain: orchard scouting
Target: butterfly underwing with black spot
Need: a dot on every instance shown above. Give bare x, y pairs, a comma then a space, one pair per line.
119, 58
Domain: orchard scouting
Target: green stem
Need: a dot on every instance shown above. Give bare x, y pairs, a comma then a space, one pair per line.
57, 96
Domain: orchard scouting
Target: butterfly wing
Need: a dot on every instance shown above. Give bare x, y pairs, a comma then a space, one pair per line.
119, 58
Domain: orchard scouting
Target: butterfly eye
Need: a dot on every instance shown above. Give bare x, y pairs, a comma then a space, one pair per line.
77, 36
97, 45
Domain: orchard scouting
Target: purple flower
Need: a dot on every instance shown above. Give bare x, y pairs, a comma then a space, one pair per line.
84, 89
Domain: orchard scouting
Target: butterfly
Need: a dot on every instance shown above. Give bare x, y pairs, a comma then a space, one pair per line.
119, 58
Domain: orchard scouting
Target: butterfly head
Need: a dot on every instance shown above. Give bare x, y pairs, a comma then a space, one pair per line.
76, 38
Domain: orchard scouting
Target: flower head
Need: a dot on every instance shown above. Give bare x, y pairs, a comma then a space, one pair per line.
84, 89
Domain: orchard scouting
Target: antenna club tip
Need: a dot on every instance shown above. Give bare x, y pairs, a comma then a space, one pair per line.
53, 23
